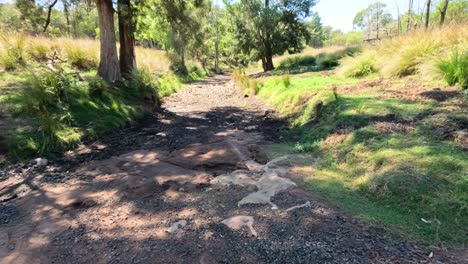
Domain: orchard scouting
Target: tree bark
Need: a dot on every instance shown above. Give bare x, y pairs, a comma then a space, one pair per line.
67, 14
49, 13
268, 62
443, 12
127, 38
410, 14
109, 63
428, 12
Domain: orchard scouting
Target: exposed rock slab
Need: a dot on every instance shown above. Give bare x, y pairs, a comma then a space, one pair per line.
240, 221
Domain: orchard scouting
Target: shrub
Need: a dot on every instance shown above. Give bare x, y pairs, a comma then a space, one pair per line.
454, 69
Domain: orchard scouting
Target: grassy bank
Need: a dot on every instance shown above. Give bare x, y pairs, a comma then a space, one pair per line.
51, 100
390, 149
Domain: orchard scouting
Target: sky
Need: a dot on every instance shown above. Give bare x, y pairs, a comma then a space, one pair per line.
340, 13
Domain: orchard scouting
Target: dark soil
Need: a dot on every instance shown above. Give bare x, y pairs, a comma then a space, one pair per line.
112, 201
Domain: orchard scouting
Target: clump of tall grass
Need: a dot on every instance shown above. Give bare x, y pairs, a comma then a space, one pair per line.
359, 65
13, 51
40, 49
145, 84
297, 60
168, 84
82, 54
328, 60
155, 61
44, 97
416, 53
247, 85
454, 69
18, 50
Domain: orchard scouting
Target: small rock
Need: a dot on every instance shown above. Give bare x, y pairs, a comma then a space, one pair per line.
40, 162
250, 128
237, 222
177, 225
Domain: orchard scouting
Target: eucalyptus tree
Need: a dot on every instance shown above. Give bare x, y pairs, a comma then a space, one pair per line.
267, 28
108, 68
372, 19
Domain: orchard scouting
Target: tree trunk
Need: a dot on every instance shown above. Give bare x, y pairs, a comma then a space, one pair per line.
67, 15
443, 12
109, 63
428, 12
127, 38
217, 56
410, 14
49, 13
268, 62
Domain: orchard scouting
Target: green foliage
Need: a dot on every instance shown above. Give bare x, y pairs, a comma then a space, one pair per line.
63, 111
97, 87
168, 84
455, 69
372, 18
263, 31
143, 82
315, 28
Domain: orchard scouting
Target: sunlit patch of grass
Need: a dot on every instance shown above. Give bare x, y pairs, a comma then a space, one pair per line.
429, 54
301, 94
389, 179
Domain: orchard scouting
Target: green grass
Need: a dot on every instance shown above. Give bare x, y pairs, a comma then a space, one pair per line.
300, 94
301, 63
58, 111
390, 179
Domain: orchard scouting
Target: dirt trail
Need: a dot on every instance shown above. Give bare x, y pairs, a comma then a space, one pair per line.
187, 185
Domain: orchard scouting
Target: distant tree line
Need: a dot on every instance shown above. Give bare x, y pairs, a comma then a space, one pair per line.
233, 35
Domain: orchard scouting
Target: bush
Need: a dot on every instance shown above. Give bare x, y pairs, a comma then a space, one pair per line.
454, 69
